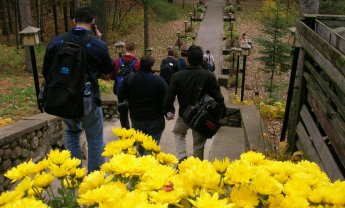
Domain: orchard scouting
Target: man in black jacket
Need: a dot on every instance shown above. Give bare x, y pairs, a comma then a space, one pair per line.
185, 85
145, 92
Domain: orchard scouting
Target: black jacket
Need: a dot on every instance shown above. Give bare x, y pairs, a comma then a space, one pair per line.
145, 92
185, 84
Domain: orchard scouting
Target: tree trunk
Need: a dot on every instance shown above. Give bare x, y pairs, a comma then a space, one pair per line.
9, 16
3, 18
309, 7
100, 7
55, 17
65, 15
146, 25
25, 15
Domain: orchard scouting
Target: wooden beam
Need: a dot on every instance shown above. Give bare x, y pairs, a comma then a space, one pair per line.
329, 59
327, 117
328, 92
333, 38
326, 156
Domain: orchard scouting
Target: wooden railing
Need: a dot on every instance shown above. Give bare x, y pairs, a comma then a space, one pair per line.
316, 123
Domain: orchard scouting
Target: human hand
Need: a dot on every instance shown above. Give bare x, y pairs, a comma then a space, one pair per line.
170, 116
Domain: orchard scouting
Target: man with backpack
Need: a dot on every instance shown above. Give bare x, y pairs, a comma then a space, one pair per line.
209, 61
123, 66
187, 84
71, 66
145, 93
169, 66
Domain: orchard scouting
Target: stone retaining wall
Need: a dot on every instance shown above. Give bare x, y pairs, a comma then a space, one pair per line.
33, 137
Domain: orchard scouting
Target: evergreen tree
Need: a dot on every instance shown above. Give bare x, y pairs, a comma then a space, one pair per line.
275, 53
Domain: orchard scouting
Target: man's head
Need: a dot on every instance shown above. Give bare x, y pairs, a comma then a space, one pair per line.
146, 63
130, 47
85, 14
170, 51
208, 51
195, 55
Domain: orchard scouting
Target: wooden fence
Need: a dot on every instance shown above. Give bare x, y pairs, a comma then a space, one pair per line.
316, 114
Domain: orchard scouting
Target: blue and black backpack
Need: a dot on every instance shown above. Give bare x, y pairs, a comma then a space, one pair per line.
124, 70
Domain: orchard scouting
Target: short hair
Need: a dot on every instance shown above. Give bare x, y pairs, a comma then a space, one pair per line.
195, 55
85, 14
130, 46
207, 51
170, 51
146, 63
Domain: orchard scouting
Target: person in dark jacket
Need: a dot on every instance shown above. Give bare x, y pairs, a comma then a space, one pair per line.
185, 84
98, 61
145, 92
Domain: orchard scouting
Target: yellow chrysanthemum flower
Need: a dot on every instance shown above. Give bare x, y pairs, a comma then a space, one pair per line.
25, 185
80, 173
156, 178
336, 195
281, 171
244, 196
294, 201
136, 198
58, 171
221, 165
43, 180
9, 196
166, 159
124, 165
264, 184
92, 181
206, 200
118, 146
107, 193
132, 151
296, 187
255, 158
149, 144
239, 172
319, 193
20, 171
25, 203
41, 166
58, 157
123, 133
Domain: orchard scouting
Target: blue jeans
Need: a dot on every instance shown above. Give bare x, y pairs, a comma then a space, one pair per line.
93, 126
154, 127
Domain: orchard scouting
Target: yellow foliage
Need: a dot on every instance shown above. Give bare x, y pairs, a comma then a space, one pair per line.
5, 121
274, 111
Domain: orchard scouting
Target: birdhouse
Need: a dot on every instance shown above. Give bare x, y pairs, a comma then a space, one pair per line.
29, 36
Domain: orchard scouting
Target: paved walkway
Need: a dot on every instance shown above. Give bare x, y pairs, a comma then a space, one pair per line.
209, 37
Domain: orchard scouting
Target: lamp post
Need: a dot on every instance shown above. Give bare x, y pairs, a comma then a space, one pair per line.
191, 21
232, 21
245, 52
295, 52
236, 52
119, 47
179, 39
185, 27
30, 38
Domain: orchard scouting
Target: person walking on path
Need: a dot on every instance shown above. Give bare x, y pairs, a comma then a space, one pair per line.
185, 84
98, 61
209, 61
145, 92
169, 66
133, 64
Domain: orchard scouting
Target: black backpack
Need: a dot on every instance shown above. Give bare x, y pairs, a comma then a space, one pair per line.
167, 68
64, 84
124, 70
203, 116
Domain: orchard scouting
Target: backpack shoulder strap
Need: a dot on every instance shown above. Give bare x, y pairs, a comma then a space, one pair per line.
131, 66
120, 61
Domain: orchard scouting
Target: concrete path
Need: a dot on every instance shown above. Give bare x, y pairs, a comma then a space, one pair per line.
228, 141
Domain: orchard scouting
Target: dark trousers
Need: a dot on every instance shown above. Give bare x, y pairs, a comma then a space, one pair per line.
124, 118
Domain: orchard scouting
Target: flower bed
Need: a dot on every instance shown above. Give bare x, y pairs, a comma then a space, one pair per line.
156, 180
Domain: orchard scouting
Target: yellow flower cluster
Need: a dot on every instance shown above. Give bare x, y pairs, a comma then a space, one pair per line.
155, 180
5, 121
274, 111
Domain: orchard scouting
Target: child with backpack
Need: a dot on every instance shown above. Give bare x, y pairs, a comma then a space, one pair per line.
123, 66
